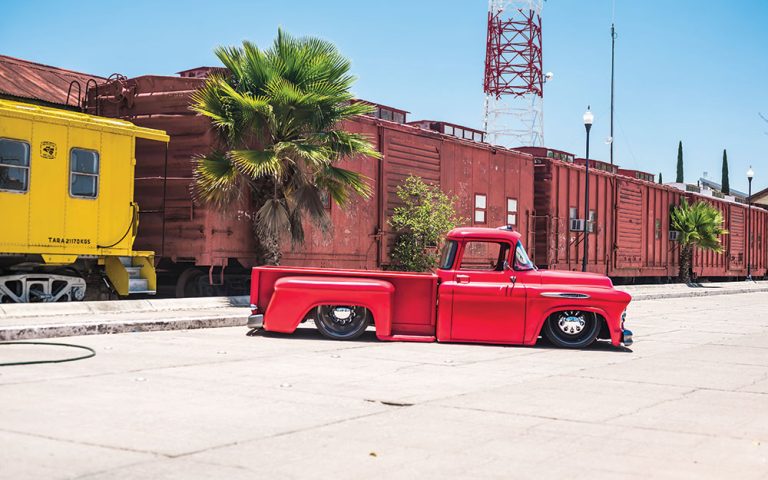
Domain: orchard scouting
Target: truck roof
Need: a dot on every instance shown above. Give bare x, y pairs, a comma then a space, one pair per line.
484, 233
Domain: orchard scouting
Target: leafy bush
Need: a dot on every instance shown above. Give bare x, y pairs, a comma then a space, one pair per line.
426, 215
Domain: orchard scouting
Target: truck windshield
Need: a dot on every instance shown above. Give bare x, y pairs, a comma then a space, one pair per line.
522, 262
448, 255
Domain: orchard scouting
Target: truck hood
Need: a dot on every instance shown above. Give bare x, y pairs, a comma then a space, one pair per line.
561, 277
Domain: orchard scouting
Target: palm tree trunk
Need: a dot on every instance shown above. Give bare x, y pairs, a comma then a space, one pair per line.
267, 247
268, 250
686, 258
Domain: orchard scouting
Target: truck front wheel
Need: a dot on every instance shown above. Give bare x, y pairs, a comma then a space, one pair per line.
341, 322
572, 329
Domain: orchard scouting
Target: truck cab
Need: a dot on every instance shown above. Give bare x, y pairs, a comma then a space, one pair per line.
496, 294
485, 290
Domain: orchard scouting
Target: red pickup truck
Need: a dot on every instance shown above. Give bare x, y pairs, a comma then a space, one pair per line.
485, 290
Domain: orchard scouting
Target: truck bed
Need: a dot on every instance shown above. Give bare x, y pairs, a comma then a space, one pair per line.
414, 299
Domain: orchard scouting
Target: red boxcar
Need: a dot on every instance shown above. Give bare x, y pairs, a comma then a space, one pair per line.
732, 262
628, 222
197, 245
629, 231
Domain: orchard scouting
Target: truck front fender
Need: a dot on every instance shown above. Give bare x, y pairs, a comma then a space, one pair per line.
294, 297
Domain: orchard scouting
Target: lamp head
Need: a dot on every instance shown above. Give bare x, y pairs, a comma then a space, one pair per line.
588, 117
750, 173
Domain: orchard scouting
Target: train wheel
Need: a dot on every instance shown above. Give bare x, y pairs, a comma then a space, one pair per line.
341, 322
189, 283
572, 329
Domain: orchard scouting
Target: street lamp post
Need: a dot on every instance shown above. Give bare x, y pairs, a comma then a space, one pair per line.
750, 175
588, 119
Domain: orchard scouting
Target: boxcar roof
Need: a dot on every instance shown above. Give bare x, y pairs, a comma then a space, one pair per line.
76, 119
25, 79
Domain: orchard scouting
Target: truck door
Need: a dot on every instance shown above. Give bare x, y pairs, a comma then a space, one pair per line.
488, 304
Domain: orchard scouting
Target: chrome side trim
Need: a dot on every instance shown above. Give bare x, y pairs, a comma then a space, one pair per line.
564, 295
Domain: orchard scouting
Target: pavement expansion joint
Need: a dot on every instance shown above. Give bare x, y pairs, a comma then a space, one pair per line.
89, 444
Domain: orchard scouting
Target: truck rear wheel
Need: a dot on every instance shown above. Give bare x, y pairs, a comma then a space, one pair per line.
572, 328
342, 322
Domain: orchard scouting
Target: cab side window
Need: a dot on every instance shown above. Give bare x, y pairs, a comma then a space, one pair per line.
84, 173
484, 256
14, 165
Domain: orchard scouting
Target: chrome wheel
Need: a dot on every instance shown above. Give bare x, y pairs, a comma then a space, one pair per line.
572, 328
341, 322
571, 323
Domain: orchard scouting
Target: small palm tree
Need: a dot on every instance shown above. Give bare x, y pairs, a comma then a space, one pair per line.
700, 225
278, 112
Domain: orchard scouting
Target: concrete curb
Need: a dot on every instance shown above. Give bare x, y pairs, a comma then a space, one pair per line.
695, 292
706, 290
26, 332
22, 310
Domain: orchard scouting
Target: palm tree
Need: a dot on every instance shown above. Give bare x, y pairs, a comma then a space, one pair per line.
278, 114
700, 225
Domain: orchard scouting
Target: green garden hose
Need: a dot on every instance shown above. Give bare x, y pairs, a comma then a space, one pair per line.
32, 362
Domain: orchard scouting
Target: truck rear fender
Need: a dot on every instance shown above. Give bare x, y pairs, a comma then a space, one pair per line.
294, 297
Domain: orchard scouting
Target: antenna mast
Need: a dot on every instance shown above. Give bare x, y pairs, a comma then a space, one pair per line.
613, 49
514, 83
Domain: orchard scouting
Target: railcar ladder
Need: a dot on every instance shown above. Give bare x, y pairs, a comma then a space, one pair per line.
132, 275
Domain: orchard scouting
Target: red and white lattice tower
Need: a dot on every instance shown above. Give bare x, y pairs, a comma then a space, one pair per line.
514, 83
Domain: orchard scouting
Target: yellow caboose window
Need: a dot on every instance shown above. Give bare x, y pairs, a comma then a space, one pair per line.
84, 173
14, 165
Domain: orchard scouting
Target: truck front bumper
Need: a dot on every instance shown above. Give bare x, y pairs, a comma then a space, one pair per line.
626, 337
256, 321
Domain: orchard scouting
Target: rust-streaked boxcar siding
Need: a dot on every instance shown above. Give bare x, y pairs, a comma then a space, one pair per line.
631, 235
732, 261
500, 174
559, 188
351, 242
758, 239
643, 247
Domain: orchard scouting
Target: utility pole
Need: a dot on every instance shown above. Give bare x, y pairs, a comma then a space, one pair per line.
613, 50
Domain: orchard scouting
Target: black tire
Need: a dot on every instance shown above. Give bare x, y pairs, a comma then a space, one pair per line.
341, 322
572, 328
193, 282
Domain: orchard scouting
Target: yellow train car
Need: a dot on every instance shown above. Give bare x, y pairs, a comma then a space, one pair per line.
67, 215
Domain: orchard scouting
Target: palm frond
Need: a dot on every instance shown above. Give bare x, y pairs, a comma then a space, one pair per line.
216, 181
257, 163
317, 156
346, 144
273, 218
340, 183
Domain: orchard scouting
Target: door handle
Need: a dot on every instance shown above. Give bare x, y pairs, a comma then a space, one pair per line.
462, 278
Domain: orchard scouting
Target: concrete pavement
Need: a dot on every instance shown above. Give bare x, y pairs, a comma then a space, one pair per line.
688, 401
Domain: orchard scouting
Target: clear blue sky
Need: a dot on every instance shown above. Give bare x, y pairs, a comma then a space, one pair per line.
690, 70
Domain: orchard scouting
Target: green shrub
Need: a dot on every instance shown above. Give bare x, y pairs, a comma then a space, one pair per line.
426, 215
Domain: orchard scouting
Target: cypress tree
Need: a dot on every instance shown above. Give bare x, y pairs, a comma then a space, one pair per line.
680, 163
660, 179
726, 188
